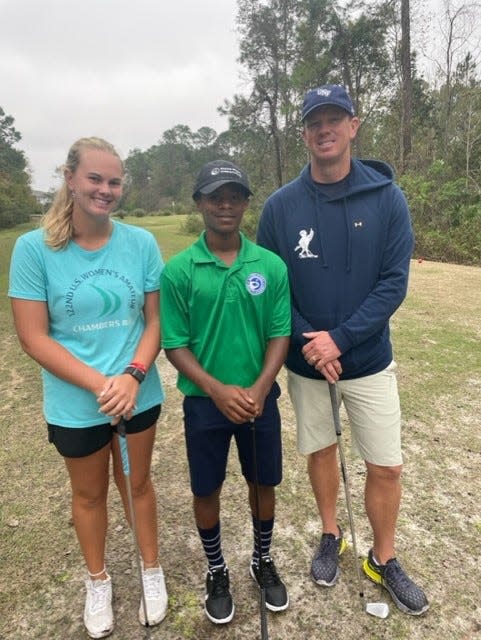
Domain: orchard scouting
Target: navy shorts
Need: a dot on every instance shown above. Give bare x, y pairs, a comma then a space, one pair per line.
83, 441
208, 434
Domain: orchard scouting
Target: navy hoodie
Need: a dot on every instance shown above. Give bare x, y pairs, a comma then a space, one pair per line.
348, 256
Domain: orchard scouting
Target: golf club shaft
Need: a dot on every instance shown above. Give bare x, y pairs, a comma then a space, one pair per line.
263, 614
124, 453
347, 491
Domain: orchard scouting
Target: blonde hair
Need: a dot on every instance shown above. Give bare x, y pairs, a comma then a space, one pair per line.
57, 222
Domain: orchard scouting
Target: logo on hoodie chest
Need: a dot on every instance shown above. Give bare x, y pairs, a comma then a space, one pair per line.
303, 243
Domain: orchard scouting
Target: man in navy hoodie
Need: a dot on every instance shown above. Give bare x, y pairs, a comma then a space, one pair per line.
343, 228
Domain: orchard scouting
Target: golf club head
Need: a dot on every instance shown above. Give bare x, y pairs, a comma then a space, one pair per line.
377, 609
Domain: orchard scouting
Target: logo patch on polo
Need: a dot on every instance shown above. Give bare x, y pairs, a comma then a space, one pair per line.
256, 284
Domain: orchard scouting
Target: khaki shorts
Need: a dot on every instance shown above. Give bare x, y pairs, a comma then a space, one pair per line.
372, 405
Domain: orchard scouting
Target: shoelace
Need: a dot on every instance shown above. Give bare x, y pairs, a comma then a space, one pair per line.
328, 545
220, 584
98, 591
152, 584
270, 577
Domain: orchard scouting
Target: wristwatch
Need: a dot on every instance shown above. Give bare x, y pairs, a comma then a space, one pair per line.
138, 374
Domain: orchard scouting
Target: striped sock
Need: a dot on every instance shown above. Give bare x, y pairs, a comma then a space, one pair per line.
211, 542
267, 528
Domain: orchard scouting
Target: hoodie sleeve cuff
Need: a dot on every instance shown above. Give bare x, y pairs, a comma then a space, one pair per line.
340, 338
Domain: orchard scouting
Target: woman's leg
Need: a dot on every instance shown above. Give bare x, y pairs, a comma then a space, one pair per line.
145, 512
140, 447
89, 479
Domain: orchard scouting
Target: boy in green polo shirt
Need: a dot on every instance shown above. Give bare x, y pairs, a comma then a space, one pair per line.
225, 327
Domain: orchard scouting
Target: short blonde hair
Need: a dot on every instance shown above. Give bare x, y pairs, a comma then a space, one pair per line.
57, 222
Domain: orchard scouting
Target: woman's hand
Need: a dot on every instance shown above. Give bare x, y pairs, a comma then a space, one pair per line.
118, 397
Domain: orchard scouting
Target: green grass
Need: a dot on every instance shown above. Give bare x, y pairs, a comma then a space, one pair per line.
167, 231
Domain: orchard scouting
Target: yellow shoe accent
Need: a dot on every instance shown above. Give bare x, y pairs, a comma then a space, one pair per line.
343, 546
371, 573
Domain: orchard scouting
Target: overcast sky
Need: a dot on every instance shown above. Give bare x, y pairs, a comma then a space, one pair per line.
125, 70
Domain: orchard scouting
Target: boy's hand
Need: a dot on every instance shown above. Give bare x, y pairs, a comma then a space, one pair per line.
235, 403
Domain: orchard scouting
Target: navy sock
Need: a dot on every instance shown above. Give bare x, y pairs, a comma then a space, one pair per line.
211, 541
266, 529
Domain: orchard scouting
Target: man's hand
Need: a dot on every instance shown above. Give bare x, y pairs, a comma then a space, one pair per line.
322, 353
331, 371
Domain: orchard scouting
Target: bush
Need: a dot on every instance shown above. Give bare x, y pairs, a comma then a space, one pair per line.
193, 224
249, 224
460, 245
139, 213
436, 200
446, 216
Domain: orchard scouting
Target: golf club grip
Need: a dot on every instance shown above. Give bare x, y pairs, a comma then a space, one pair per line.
335, 407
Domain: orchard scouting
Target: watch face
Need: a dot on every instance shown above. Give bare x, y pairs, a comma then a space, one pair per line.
136, 373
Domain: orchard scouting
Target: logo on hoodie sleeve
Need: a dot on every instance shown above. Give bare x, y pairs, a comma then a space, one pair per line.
303, 243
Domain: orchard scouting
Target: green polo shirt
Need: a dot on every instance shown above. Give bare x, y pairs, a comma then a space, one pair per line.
224, 315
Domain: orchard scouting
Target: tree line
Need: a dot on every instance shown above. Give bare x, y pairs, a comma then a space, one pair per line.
17, 201
429, 130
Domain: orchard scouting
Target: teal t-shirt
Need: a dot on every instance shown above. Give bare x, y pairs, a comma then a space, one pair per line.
224, 314
95, 303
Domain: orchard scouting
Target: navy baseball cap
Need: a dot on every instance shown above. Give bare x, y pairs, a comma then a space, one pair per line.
217, 173
327, 94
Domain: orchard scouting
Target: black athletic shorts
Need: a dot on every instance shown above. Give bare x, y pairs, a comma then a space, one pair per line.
83, 441
208, 434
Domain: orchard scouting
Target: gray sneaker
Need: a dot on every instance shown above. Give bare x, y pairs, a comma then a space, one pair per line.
325, 564
406, 594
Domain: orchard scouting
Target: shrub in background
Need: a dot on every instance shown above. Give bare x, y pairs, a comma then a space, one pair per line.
192, 224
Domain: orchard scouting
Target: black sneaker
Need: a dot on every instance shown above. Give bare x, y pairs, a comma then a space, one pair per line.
218, 607
275, 590
325, 564
406, 594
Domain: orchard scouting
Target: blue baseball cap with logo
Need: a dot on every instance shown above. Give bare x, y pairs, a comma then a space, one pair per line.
327, 94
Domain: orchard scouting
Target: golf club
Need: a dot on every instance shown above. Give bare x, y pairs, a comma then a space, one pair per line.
377, 609
124, 453
263, 613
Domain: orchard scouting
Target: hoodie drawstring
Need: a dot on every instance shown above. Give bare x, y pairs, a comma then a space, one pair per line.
349, 237
322, 249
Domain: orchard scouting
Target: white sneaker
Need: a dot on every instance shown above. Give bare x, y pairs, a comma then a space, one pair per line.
98, 614
155, 596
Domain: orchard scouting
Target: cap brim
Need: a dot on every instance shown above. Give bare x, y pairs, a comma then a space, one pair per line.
210, 188
325, 104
